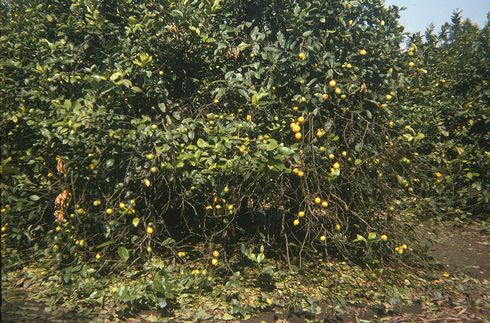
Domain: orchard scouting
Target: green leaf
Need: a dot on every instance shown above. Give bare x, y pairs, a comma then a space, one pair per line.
105, 244
123, 253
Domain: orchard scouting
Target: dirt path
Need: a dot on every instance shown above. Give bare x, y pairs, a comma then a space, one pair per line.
465, 249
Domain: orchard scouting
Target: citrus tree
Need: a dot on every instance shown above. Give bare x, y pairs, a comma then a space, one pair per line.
138, 127
449, 104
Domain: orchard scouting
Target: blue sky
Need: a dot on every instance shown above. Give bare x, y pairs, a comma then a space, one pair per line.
420, 13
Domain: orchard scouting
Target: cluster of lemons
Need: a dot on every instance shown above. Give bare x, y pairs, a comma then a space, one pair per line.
5, 225
122, 206
217, 200
296, 127
215, 261
401, 248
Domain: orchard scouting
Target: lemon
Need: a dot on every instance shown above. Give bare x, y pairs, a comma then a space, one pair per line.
338, 91
96, 203
344, 153
303, 99
388, 97
122, 205
384, 237
301, 119
98, 256
214, 262
324, 203
215, 101
154, 170
317, 200
301, 173
160, 73
348, 65
56, 248
298, 135
336, 166
58, 229
325, 96
301, 214
296, 170
323, 238
153, 127
404, 246
150, 156
295, 128
301, 56
331, 156
337, 227
147, 182
4, 229
230, 207
295, 108
226, 189
411, 64
149, 230
363, 52
296, 222
438, 175
332, 83
216, 254
320, 133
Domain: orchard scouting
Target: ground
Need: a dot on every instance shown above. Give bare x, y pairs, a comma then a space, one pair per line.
457, 290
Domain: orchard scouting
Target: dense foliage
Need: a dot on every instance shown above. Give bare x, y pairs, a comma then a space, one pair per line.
195, 130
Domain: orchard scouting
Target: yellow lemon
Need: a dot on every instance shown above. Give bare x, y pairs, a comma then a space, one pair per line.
150, 156
296, 222
317, 200
301, 56
214, 262
325, 96
216, 254
384, 237
295, 128
411, 64
298, 135
332, 83
388, 97
331, 156
301, 173
338, 90
301, 214
336, 166
149, 230
362, 52
301, 119
153, 127
323, 238
324, 203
